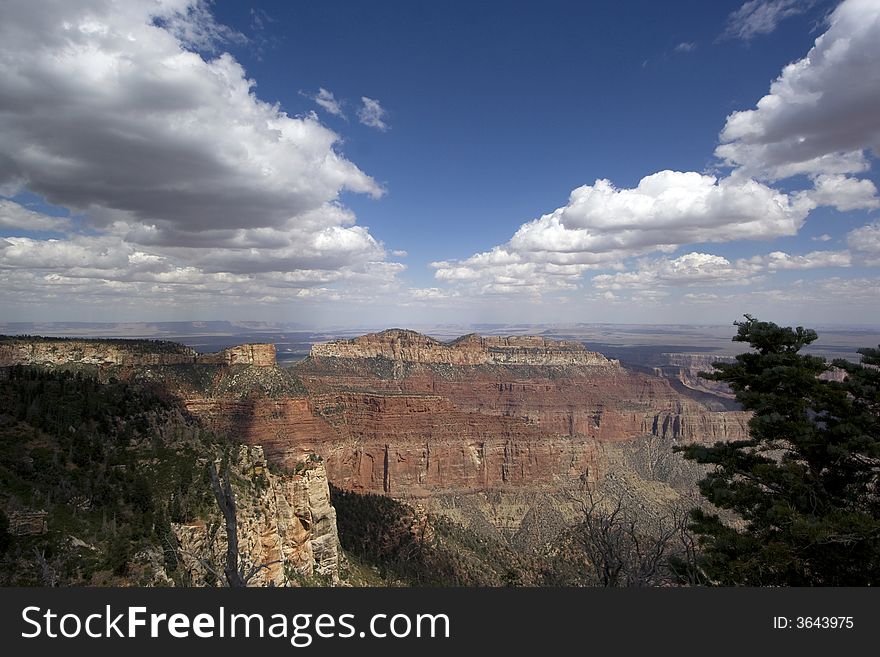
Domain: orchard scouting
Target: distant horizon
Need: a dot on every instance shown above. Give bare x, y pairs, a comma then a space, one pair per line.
634, 344
409, 326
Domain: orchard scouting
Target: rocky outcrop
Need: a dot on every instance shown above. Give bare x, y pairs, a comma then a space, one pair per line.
285, 523
125, 353
411, 347
259, 355
52, 351
27, 522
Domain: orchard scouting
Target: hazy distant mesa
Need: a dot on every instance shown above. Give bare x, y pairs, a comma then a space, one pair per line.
412, 347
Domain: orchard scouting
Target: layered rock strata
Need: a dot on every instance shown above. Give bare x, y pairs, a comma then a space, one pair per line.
408, 346
286, 524
259, 355
407, 415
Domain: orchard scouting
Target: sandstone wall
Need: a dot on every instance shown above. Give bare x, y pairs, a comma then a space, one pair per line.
260, 355
286, 522
606, 405
410, 445
470, 437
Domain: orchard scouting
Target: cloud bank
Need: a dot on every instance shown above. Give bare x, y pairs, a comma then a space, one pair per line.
602, 225
124, 114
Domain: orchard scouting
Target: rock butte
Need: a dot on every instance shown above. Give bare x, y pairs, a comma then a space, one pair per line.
410, 347
404, 414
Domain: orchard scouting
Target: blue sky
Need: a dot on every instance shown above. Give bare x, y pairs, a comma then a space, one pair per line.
501, 109
400, 162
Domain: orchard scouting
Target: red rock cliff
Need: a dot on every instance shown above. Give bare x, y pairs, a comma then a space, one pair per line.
404, 414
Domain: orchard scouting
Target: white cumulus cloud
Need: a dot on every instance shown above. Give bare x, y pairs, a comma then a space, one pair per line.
127, 114
601, 225
706, 269
865, 241
843, 192
822, 112
779, 260
686, 270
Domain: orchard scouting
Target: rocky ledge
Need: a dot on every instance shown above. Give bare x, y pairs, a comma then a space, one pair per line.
131, 353
405, 346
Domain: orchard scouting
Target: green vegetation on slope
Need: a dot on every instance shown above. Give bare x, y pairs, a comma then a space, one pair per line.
110, 464
414, 549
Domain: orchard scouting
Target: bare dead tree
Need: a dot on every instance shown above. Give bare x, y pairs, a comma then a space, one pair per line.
47, 573
619, 550
225, 497
684, 564
656, 453
601, 539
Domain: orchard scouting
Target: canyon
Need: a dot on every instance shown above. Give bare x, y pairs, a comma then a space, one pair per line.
496, 433
402, 414
504, 427
686, 368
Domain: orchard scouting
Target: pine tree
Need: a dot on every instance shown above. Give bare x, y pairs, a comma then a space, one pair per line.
801, 496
